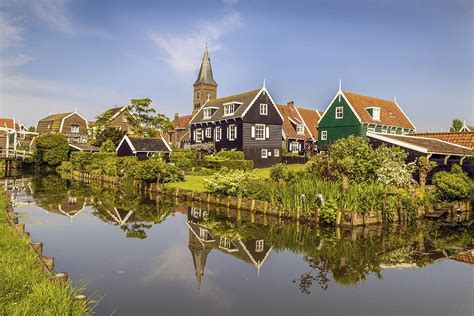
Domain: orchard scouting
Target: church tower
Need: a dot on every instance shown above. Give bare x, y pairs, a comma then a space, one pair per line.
205, 87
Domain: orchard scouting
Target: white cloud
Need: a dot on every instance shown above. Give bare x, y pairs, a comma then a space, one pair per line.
230, 2
10, 33
183, 52
54, 13
19, 60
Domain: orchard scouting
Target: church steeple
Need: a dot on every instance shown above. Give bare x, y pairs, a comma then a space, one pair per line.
205, 87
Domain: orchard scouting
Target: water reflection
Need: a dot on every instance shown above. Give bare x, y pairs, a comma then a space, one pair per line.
326, 258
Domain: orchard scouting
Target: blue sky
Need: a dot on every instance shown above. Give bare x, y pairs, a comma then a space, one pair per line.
57, 55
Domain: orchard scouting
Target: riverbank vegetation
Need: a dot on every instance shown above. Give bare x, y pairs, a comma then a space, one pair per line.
25, 289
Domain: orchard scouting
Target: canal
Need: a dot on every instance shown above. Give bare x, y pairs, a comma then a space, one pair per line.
141, 255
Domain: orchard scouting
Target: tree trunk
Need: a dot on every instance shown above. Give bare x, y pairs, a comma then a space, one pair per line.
345, 182
422, 179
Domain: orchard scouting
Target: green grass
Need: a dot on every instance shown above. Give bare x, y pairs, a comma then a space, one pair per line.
25, 288
195, 183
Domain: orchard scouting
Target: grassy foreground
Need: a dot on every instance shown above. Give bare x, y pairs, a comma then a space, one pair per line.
195, 183
25, 289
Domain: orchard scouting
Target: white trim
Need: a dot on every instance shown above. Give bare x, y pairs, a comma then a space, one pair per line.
264, 132
197, 112
255, 99
262, 150
233, 102
325, 133
265, 107
70, 114
125, 138
336, 113
294, 121
401, 110
398, 142
304, 123
348, 103
166, 143
120, 111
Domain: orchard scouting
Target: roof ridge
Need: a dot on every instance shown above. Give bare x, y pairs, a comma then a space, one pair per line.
234, 95
368, 96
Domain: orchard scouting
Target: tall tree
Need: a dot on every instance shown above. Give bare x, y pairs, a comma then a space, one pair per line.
148, 121
457, 125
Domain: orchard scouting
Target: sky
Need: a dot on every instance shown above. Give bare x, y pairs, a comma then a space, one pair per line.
62, 55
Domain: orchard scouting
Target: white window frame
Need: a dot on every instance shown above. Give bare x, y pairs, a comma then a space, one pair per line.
339, 112
203, 233
198, 135
232, 128
260, 128
371, 129
295, 147
276, 152
263, 109
264, 153
229, 109
225, 242
208, 132
299, 129
218, 133
124, 119
207, 113
75, 128
324, 135
376, 117
259, 245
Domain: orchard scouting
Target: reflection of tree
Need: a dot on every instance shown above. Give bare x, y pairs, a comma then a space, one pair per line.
49, 189
136, 230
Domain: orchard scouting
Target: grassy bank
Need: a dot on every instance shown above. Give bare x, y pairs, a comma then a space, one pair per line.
25, 289
196, 183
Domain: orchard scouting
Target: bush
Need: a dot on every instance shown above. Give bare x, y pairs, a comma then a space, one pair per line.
155, 169
108, 146
126, 165
231, 154
50, 149
235, 182
454, 185
219, 161
65, 166
204, 172
184, 159
279, 172
244, 165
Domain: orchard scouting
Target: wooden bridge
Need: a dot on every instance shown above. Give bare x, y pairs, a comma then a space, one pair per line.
10, 153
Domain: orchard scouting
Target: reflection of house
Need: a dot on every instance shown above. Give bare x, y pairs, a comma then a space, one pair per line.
202, 240
143, 148
71, 206
72, 125
119, 216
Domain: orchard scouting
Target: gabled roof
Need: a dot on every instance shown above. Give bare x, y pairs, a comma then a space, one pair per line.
422, 144
205, 72
292, 117
244, 99
146, 145
311, 118
115, 111
51, 123
182, 122
84, 147
390, 112
6, 122
465, 139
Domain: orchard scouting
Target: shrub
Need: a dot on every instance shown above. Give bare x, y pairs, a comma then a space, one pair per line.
231, 154
233, 182
50, 149
65, 166
245, 165
80, 160
184, 159
396, 173
156, 169
279, 172
204, 172
454, 185
219, 161
108, 146
126, 165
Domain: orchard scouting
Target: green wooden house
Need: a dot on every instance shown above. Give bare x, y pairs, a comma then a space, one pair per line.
355, 114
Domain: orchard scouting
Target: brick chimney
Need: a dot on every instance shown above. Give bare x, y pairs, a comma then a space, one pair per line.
176, 116
290, 103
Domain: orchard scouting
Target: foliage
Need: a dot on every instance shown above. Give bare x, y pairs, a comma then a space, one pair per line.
111, 133
108, 146
279, 172
184, 159
231, 154
231, 182
65, 166
156, 170
454, 185
148, 123
425, 165
50, 149
220, 161
329, 212
395, 173
456, 125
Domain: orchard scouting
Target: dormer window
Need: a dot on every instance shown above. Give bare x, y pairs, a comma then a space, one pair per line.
229, 108
299, 129
74, 128
207, 113
374, 112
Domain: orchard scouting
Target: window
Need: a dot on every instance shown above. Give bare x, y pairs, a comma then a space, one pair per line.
203, 233
339, 112
294, 147
198, 135
376, 114
371, 129
299, 129
259, 131
276, 153
263, 109
259, 245
264, 153
74, 128
232, 132
218, 133
229, 109
207, 113
393, 132
124, 119
224, 242
324, 135
208, 132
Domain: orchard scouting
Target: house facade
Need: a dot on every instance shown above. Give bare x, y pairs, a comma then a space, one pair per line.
299, 129
122, 118
143, 148
179, 135
355, 114
248, 122
72, 125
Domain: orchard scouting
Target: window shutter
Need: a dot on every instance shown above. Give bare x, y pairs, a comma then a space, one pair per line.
194, 135
228, 131
267, 132
252, 132
299, 145
235, 128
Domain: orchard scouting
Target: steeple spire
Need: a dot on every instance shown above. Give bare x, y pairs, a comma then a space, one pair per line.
205, 72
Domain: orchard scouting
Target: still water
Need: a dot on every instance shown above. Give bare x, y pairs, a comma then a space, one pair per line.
142, 256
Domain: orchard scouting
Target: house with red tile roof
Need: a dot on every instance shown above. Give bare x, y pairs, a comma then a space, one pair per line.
465, 139
179, 136
354, 114
299, 128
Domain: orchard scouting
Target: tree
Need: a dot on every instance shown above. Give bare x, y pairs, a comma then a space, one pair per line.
108, 146
424, 166
456, 126
148, 123
51, 149
111, 133
31, 129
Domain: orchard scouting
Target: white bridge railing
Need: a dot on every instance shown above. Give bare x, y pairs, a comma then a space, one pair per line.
19, 154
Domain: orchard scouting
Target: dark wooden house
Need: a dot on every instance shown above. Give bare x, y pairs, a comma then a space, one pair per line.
249, 122
72, 125
143, 148
122, 118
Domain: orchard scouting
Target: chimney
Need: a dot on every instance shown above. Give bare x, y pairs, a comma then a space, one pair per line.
290, 103
176, 116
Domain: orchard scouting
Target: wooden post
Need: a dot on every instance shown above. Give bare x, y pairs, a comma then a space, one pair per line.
338, 218
298, 210
20, 228
265, 207
60, 278
209, 198
239, 202
252, 205
49, 262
